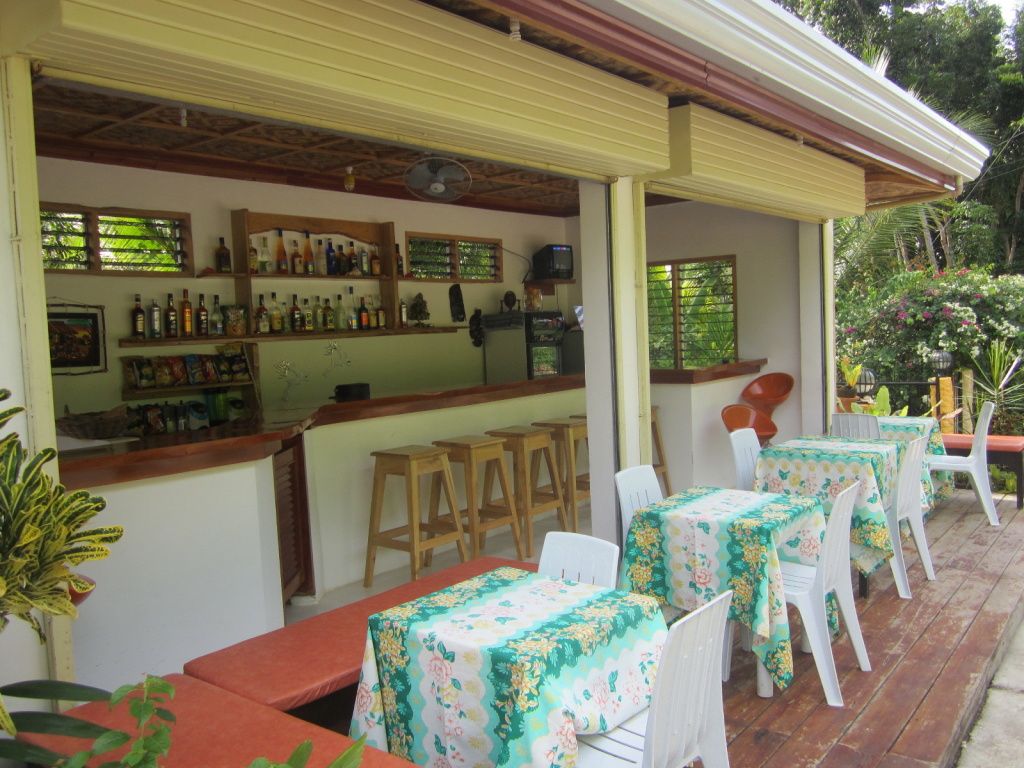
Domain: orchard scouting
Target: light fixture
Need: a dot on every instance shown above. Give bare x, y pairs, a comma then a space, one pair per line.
350, 179
865, 385
183, 117
942, 362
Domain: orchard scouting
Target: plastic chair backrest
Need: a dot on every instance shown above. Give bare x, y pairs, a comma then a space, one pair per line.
908, 491
745, 448
688, 688
771, 388
834, 560
578, 557
858, 426
637, 487
979, 444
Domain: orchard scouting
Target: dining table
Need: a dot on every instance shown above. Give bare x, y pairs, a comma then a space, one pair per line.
934, 485
506, 669
822, 466
696, 544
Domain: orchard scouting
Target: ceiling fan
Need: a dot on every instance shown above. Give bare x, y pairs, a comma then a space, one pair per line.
438, 179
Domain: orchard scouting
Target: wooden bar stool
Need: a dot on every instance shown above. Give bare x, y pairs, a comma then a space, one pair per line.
658, 451
488, 514
412, 462
527, 445
567, 435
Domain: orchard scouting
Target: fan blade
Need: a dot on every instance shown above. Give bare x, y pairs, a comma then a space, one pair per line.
418, 176
452, 172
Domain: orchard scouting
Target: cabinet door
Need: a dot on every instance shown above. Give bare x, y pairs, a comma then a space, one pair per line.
293, 520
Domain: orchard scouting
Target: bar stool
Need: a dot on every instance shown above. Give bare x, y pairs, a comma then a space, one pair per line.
412, 462
658, 451
471, 451
567, 435
527, 445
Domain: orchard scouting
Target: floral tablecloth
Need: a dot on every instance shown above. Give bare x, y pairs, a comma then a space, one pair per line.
695, 545
504, 669
934, 486
822, 467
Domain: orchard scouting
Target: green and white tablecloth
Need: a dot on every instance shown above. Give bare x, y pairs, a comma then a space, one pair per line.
824, 466
504, 669
695, 545
934, 486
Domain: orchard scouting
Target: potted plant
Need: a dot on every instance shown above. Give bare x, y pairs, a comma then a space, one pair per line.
847, 391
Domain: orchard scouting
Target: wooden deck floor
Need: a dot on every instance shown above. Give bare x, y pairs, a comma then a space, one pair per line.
932, 659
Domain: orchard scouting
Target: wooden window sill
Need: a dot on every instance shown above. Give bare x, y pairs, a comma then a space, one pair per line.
712, 373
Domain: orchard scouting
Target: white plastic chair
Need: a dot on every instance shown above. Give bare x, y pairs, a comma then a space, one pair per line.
857, 426
637, 487
807, 585
578, 557
975, 464
745, 448
685, 719
907, 506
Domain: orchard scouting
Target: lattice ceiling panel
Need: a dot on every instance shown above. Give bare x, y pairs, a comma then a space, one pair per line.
142, 136
317, 161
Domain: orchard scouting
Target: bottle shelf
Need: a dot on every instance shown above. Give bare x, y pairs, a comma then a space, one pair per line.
153, 393
290, 276
412, 330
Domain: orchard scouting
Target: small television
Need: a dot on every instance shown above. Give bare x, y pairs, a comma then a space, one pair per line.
553, 262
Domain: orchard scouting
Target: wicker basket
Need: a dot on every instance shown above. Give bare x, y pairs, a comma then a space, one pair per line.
96, 425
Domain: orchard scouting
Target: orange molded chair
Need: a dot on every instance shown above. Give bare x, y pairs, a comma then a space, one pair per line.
768, 392
739, 416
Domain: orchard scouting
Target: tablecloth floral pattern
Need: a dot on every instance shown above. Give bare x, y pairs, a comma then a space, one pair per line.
504, 669
695, 545
935, 486
822, 467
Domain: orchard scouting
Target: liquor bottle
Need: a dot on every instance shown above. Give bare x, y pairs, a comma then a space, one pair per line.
295, 315
318, 315
353, 313
264, 257
280, 254
252, 265
382, 317
328, 315
216, 317
320, 257
262, 317
155, 321
185, 314
332, 258
364, 260
399, 262
364, 315
170, 318
403, 314
202, 318
298, 267
222, 257
371, 314
286, 316
276, 317
138, 319
353, 260
374, 262
308, 262
307, 316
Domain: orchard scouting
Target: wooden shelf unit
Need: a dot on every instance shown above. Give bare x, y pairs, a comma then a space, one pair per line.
264, 337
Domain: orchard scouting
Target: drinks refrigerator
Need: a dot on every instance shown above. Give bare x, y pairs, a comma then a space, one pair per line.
522, 345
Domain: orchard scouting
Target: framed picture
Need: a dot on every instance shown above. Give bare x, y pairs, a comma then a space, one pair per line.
78, 341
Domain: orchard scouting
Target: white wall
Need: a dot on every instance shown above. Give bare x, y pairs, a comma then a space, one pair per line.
768, 298
391, 365
196, 570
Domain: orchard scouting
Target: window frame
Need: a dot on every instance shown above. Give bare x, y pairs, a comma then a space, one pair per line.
678, 372
453, 251
92, 240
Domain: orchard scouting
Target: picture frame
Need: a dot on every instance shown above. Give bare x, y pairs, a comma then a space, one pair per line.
78, 339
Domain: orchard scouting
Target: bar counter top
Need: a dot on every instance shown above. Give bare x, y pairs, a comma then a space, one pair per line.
162, 455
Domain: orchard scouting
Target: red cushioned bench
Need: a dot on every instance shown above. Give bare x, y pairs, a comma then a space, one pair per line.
1006, 451
217, 729
305, 661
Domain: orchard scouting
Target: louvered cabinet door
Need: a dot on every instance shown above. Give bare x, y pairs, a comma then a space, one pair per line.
293, 520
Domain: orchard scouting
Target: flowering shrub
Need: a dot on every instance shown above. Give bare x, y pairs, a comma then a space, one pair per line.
894, 330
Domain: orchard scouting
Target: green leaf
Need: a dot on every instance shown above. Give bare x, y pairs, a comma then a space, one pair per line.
261, 762
351, 757
77, 760
54, 689
156, 684
120, 693
166, 714
28, 753
59, 725
300, 756
110, 740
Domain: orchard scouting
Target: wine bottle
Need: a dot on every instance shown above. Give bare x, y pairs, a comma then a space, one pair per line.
276, 318
185, 314
374, 262
364, 260
202, 317
222, 257
295, 315
252, 264
332, 258
170, 318
280, 254
328, 315
364, 315
307, 316
382, 317
371, 316
297, 265
353, 313
320, 257
262, 317
318, 315
308, 262
264, 257
353, 260
403, 314
138, 319
399, 262
155, 321
216, 317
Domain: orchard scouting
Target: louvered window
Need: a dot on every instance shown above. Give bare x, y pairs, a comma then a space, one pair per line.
691, 307
92, 240
454, 258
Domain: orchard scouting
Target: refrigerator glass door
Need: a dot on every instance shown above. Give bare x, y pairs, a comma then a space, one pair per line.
544, 360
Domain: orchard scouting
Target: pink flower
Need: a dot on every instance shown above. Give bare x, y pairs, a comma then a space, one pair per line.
850, 329
978, 296
962, 272
926, 315
364, 699
966, 322
809, 547
901, 315
947, 311
567, 736
439, 669
702, 577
